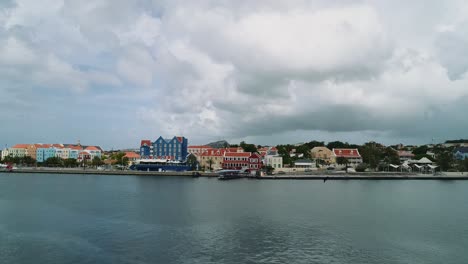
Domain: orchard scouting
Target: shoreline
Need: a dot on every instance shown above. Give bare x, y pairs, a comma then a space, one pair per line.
310, 176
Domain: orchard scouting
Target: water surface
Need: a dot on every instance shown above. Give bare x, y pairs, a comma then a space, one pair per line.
131, 219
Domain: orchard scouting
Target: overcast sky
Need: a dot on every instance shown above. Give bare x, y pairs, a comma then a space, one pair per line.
112, 72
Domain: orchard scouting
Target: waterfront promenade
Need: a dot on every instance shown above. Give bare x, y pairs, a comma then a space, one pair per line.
317, 175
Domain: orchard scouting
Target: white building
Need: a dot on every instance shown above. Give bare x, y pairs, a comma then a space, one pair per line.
274, 161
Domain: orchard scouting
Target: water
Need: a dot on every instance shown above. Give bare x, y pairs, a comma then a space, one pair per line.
120, 219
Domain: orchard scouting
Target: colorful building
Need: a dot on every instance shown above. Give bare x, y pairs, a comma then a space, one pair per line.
171, 149
352, 155
322, 153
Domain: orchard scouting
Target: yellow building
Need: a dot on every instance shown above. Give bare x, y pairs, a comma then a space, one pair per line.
322, 153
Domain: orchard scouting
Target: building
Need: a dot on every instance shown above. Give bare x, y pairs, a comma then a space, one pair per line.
304, 164
43, 154
212, 158
17, 151
171, 149
236, 160
274, 161
461, 153
132, 156
264, 151
146, 149
322, 153
242, 161
405, 155
352, 155
255, 162
198, 150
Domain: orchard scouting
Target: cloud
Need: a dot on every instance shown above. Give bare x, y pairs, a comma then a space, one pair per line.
262, 70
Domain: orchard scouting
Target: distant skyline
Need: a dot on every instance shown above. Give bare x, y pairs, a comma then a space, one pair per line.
113, 72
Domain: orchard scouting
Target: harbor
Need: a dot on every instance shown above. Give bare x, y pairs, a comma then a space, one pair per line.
325, 176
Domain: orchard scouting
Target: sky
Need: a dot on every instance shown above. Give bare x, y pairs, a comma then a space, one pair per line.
113, 72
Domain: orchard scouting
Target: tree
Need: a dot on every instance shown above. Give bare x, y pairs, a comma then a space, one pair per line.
372, 153
210, 162
248, 147
70, 163
53, 162
421, 150
312, 144
445, 160
337, 144
392, 156
269, 169
192, 162
343, 161
97, 162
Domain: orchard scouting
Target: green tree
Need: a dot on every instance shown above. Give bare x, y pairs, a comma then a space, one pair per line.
248, 147
421, 150
70, 163
210, 163
343, 161
371, 153
97, 162
28, 161
445, 160
337, 144
53, 162
192, 162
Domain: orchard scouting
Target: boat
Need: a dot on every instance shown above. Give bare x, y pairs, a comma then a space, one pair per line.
161, 165
6, 167
231, 174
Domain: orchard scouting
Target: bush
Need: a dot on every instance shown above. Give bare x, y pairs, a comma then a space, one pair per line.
361, 167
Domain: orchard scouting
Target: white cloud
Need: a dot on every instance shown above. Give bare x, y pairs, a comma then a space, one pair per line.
231, 69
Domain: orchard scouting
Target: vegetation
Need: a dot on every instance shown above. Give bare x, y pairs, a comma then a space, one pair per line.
53, 162
248, 147
361, 167
192, 162
97, 162
456, 141
24, 161
70, 163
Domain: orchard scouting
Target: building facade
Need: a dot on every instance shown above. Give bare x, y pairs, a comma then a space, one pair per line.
352, 155
461, 153
274, 161
171, 149
322, 153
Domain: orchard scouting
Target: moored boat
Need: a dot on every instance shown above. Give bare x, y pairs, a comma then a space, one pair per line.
230, 174
159, 165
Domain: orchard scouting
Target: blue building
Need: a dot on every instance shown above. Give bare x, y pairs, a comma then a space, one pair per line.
461, 153
42, 154
172, 149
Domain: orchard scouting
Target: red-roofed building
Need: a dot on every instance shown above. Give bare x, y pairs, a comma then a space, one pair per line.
405, 155
198, 150
352, 155
212, 158
132, 156
242, 160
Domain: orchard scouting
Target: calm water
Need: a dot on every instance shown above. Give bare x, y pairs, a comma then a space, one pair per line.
119, 219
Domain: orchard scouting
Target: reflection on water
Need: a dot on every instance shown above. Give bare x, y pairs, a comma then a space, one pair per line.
107, 219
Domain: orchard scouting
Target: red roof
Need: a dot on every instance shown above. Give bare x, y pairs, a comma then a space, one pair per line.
91, 148
20, 146
75, 147
132, 155
84, 153
403, 153
180, 139
213, 152
347, 153
145, 141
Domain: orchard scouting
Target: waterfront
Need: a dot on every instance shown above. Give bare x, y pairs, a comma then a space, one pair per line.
137, 219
